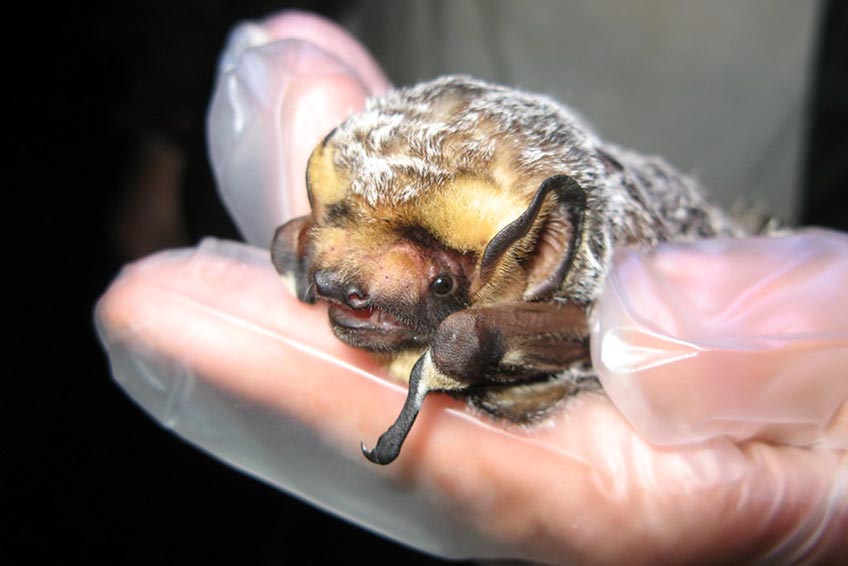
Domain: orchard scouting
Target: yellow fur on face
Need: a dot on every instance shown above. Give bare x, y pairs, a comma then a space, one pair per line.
324, 183
468, 212
464, 214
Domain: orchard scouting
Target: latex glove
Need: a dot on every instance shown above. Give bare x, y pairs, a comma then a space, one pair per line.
212, 346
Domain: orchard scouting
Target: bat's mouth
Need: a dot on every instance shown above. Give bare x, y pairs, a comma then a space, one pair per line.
370, 328
363, 319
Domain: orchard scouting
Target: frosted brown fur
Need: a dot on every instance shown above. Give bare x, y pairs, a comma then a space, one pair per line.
413, 141
465, 228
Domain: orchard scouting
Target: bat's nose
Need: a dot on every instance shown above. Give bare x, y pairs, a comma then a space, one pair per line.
330, 286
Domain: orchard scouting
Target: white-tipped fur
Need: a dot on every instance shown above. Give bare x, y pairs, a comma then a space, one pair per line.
414, 140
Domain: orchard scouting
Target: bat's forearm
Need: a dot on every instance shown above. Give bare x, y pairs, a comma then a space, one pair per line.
504, 343
510, 341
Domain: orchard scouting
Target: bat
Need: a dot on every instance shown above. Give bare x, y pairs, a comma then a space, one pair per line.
462, 230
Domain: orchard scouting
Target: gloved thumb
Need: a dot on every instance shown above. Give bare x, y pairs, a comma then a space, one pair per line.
740, 338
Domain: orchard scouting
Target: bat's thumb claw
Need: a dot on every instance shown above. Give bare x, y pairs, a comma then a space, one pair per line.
390, 442
382, 454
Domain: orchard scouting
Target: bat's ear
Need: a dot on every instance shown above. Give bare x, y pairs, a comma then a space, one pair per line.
289, 250
555, 246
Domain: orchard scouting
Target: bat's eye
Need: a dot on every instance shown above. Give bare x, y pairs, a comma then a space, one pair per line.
442, 285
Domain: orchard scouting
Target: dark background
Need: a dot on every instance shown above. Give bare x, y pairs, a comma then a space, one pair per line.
99, 96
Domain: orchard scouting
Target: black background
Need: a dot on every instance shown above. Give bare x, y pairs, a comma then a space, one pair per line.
88, 475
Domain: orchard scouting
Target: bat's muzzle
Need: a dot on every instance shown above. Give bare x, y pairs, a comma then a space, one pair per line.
330, 286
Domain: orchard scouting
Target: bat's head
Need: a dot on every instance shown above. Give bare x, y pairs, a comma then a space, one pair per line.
392, 270
407, 199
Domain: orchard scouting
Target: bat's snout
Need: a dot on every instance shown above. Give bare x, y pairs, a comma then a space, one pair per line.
358, 317
329, 285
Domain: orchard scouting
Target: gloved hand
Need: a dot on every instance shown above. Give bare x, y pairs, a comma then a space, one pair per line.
723, 436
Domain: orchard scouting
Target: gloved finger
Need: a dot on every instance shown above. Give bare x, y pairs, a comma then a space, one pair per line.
282, 85
208, 342
740, 338
333, 39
